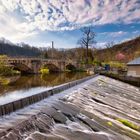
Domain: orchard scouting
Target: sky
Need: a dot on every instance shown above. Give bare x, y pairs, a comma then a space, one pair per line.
38, 22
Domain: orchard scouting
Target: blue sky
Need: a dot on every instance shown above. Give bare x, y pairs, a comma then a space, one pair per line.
38, 22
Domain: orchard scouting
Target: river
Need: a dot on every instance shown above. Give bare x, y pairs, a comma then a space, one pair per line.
23, 86
98, 109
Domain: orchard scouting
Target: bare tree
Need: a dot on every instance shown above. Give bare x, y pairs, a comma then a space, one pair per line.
87, 40
109, 50
109, 44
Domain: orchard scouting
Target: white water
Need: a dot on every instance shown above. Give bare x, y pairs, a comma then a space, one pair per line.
113, 104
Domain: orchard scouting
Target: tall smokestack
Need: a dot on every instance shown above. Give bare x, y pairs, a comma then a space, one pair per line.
52, 45
52, 49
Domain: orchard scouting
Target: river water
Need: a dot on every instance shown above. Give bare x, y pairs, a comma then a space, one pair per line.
98, 109
23, 86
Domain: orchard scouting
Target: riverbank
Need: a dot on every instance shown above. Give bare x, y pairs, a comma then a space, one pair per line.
6, 80
135, 81
100, 108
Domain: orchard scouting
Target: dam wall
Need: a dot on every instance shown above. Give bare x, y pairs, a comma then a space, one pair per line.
21, 103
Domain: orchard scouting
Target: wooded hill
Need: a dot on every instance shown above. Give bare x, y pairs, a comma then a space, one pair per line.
123, 52
14, 50
129, 49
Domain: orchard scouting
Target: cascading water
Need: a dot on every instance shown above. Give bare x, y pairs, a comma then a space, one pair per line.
99, 109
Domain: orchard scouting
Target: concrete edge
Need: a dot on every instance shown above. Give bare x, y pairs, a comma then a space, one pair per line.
21, 103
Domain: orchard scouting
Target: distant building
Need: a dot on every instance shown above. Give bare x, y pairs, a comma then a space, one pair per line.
134, 68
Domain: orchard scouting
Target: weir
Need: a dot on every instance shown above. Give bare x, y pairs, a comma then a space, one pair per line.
100, 108
21, 103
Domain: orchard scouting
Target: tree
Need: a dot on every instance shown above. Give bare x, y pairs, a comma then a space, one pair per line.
120, 56
4, 69
109, 44
137, 54
87, 40
109, 50
46, 55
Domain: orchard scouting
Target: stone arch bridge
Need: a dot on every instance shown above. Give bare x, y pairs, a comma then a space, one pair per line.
33, 65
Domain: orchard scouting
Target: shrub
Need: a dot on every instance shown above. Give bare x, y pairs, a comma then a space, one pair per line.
115, 64
4, 81
44, 71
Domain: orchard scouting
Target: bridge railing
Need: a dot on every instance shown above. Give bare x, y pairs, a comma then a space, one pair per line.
37, 59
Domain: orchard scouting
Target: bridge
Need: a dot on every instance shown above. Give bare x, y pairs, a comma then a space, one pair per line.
33, 65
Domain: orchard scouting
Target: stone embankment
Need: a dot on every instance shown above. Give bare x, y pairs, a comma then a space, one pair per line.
98, 109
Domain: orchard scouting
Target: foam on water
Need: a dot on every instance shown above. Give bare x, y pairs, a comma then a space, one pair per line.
79, 113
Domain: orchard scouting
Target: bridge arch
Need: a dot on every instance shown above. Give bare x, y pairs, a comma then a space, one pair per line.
22, 68
33, 65
52, 67
70, 67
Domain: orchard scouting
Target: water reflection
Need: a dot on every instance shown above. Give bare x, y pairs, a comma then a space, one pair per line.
18, 94
33, 84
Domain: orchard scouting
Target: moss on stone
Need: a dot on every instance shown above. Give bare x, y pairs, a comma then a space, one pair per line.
129, 124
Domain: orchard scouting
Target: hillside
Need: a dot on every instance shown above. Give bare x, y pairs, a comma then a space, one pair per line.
10, 49
129, 49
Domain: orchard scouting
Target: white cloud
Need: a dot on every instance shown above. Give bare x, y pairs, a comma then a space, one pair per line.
114, 34
136, 32
64, 14
10, 4
13, 30
101, 44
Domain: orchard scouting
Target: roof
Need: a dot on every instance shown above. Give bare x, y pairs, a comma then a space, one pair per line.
134, 62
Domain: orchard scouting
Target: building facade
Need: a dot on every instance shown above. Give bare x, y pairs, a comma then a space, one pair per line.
134, 68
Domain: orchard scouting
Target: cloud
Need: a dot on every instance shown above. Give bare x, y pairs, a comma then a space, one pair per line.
114, 34
101, 44
13, 30
136, 32
54, 15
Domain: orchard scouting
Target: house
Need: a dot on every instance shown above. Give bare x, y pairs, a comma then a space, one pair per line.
134, 68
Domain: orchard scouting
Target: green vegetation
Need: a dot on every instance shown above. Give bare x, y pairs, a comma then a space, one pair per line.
44, 71
115, 64
4, 81
110, 123
96, 63
80, 70
67, 70
129, 124
6, 70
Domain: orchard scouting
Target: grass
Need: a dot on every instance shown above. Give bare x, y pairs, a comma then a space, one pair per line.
129, 124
